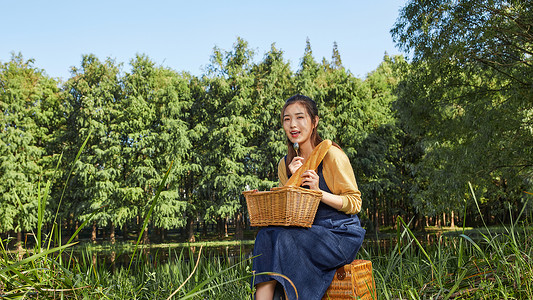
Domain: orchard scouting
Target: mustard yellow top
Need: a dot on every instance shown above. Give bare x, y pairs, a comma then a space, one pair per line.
339, 177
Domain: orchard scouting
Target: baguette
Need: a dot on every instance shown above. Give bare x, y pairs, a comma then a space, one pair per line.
311, 163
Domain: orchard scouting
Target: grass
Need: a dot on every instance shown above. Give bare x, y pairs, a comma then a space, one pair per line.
53, 273
476, 264
493, 267
472, 264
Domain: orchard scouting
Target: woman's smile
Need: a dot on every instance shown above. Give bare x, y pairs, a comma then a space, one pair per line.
295, 134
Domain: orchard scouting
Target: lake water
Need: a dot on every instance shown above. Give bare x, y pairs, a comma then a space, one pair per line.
118, 257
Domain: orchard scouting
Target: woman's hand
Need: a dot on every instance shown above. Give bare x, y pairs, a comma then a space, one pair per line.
296, 163
310, 179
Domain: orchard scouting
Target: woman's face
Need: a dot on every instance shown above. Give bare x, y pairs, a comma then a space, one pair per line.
297, 123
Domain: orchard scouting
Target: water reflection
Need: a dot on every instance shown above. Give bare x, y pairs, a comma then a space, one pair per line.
384, 243
116, 258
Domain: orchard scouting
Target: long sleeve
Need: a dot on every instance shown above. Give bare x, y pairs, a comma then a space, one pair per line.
339, 177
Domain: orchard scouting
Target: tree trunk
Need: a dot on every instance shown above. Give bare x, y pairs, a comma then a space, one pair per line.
226, 227
221, 226
162, 234
146, 239
419, 222
70, 226
452, 225
19, 242
93, 233
190, 230
239, 233
112, 233
376, 216
386, 215
204, 229
125, 232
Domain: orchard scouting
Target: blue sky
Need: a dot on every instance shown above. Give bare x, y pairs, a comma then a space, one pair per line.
181, 34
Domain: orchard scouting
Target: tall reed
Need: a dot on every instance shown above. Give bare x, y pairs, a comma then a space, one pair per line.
51, 273
485, 263
38, 272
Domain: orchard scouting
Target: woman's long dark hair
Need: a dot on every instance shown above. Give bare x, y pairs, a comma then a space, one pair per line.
312, 110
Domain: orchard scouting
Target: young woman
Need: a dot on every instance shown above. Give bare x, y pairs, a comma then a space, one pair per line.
309, 257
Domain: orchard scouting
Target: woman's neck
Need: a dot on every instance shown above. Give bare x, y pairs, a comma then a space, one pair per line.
306, 149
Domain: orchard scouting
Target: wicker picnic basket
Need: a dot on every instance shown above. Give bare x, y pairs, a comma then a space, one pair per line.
353, 281
290, 205
284, 206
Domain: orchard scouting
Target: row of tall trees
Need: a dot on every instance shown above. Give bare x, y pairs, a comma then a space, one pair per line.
416, 133
222, 131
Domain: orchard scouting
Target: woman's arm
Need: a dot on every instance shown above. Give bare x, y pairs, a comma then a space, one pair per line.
340, 178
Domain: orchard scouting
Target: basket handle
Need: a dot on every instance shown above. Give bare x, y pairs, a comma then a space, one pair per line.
311, 163
341, 273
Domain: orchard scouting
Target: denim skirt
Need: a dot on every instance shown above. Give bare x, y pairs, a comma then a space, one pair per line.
308, 257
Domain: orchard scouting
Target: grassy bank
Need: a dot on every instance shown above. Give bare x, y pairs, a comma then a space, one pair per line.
484, 263
476, 264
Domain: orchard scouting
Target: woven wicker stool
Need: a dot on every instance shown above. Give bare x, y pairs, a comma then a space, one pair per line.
353, 281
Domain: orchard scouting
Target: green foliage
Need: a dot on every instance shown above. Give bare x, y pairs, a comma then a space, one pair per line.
229, 104
272, 86
154, 132
30, 122
94, 99
414, 133
468, 97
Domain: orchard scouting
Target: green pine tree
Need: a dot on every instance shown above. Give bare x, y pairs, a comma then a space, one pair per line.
94, 107
29, 103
